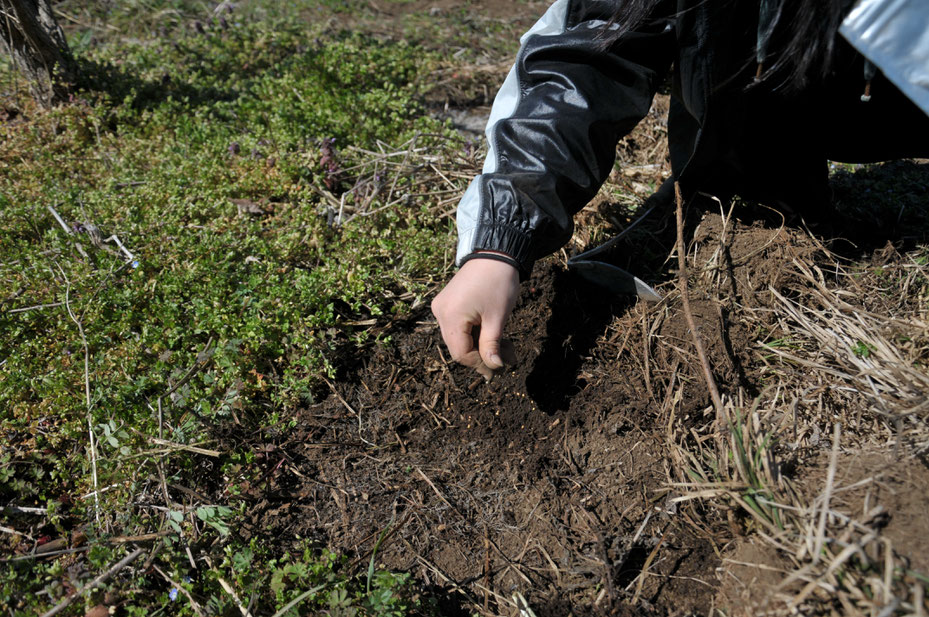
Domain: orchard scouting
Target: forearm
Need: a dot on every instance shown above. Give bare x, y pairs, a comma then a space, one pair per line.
553, 130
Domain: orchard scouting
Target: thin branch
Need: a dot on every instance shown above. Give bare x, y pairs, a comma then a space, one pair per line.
23, 510
90, 424
60, 220
179, 587
15, 533
682, 277
37, 307
228, 589
30, 556
827, 494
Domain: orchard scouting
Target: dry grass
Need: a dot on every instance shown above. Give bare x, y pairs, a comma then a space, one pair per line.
874, 361
843, 351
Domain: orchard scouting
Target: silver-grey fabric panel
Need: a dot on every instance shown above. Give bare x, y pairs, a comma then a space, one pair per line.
552, 22
894, 35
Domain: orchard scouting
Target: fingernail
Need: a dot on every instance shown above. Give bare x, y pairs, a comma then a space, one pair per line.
496, 360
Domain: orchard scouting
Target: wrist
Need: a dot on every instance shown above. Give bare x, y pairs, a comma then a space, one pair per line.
500, 257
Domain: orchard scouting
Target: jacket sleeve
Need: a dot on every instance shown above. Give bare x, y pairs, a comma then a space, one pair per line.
554, 126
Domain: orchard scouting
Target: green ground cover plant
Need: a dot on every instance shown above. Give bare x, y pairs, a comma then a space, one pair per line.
190, 242
240, 206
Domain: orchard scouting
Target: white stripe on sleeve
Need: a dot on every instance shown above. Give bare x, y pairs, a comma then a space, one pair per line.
552, 22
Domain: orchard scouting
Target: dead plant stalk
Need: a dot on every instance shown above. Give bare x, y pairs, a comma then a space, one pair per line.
90, 423
688, 314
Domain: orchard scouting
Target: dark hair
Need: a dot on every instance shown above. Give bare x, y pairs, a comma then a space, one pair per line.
796, 38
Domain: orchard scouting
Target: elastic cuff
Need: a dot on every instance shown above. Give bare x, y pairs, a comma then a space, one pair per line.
504, 239
523, 274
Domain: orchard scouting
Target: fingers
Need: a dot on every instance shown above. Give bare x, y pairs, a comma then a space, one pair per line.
489, 343
471, 311
506, 354
473, 360
482, 358
460, 343
464, 350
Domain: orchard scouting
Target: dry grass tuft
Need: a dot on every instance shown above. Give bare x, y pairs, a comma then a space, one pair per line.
873, 361
842, 350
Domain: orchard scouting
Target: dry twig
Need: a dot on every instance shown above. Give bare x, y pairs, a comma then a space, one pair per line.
721, 416
90, 423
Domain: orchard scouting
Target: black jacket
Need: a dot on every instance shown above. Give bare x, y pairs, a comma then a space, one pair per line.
571, 96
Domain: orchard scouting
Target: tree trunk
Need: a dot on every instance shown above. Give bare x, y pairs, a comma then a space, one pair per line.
32, 37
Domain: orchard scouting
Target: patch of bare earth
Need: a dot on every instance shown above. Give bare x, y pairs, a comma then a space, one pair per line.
598, 475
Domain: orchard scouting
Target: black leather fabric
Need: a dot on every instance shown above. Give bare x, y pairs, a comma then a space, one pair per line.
579, 96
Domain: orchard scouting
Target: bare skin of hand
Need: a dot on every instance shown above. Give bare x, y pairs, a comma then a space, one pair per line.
472, 310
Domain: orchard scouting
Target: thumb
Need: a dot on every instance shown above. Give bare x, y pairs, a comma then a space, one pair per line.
489, 343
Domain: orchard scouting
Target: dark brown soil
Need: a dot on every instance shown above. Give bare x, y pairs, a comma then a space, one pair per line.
553, 480
550, 480
541, 482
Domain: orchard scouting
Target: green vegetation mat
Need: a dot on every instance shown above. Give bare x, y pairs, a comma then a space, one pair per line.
193, 241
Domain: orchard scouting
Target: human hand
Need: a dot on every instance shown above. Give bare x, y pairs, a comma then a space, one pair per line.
472, 310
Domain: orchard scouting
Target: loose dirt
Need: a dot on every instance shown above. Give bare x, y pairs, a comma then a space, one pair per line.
553, 480
560, 479
543, 481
